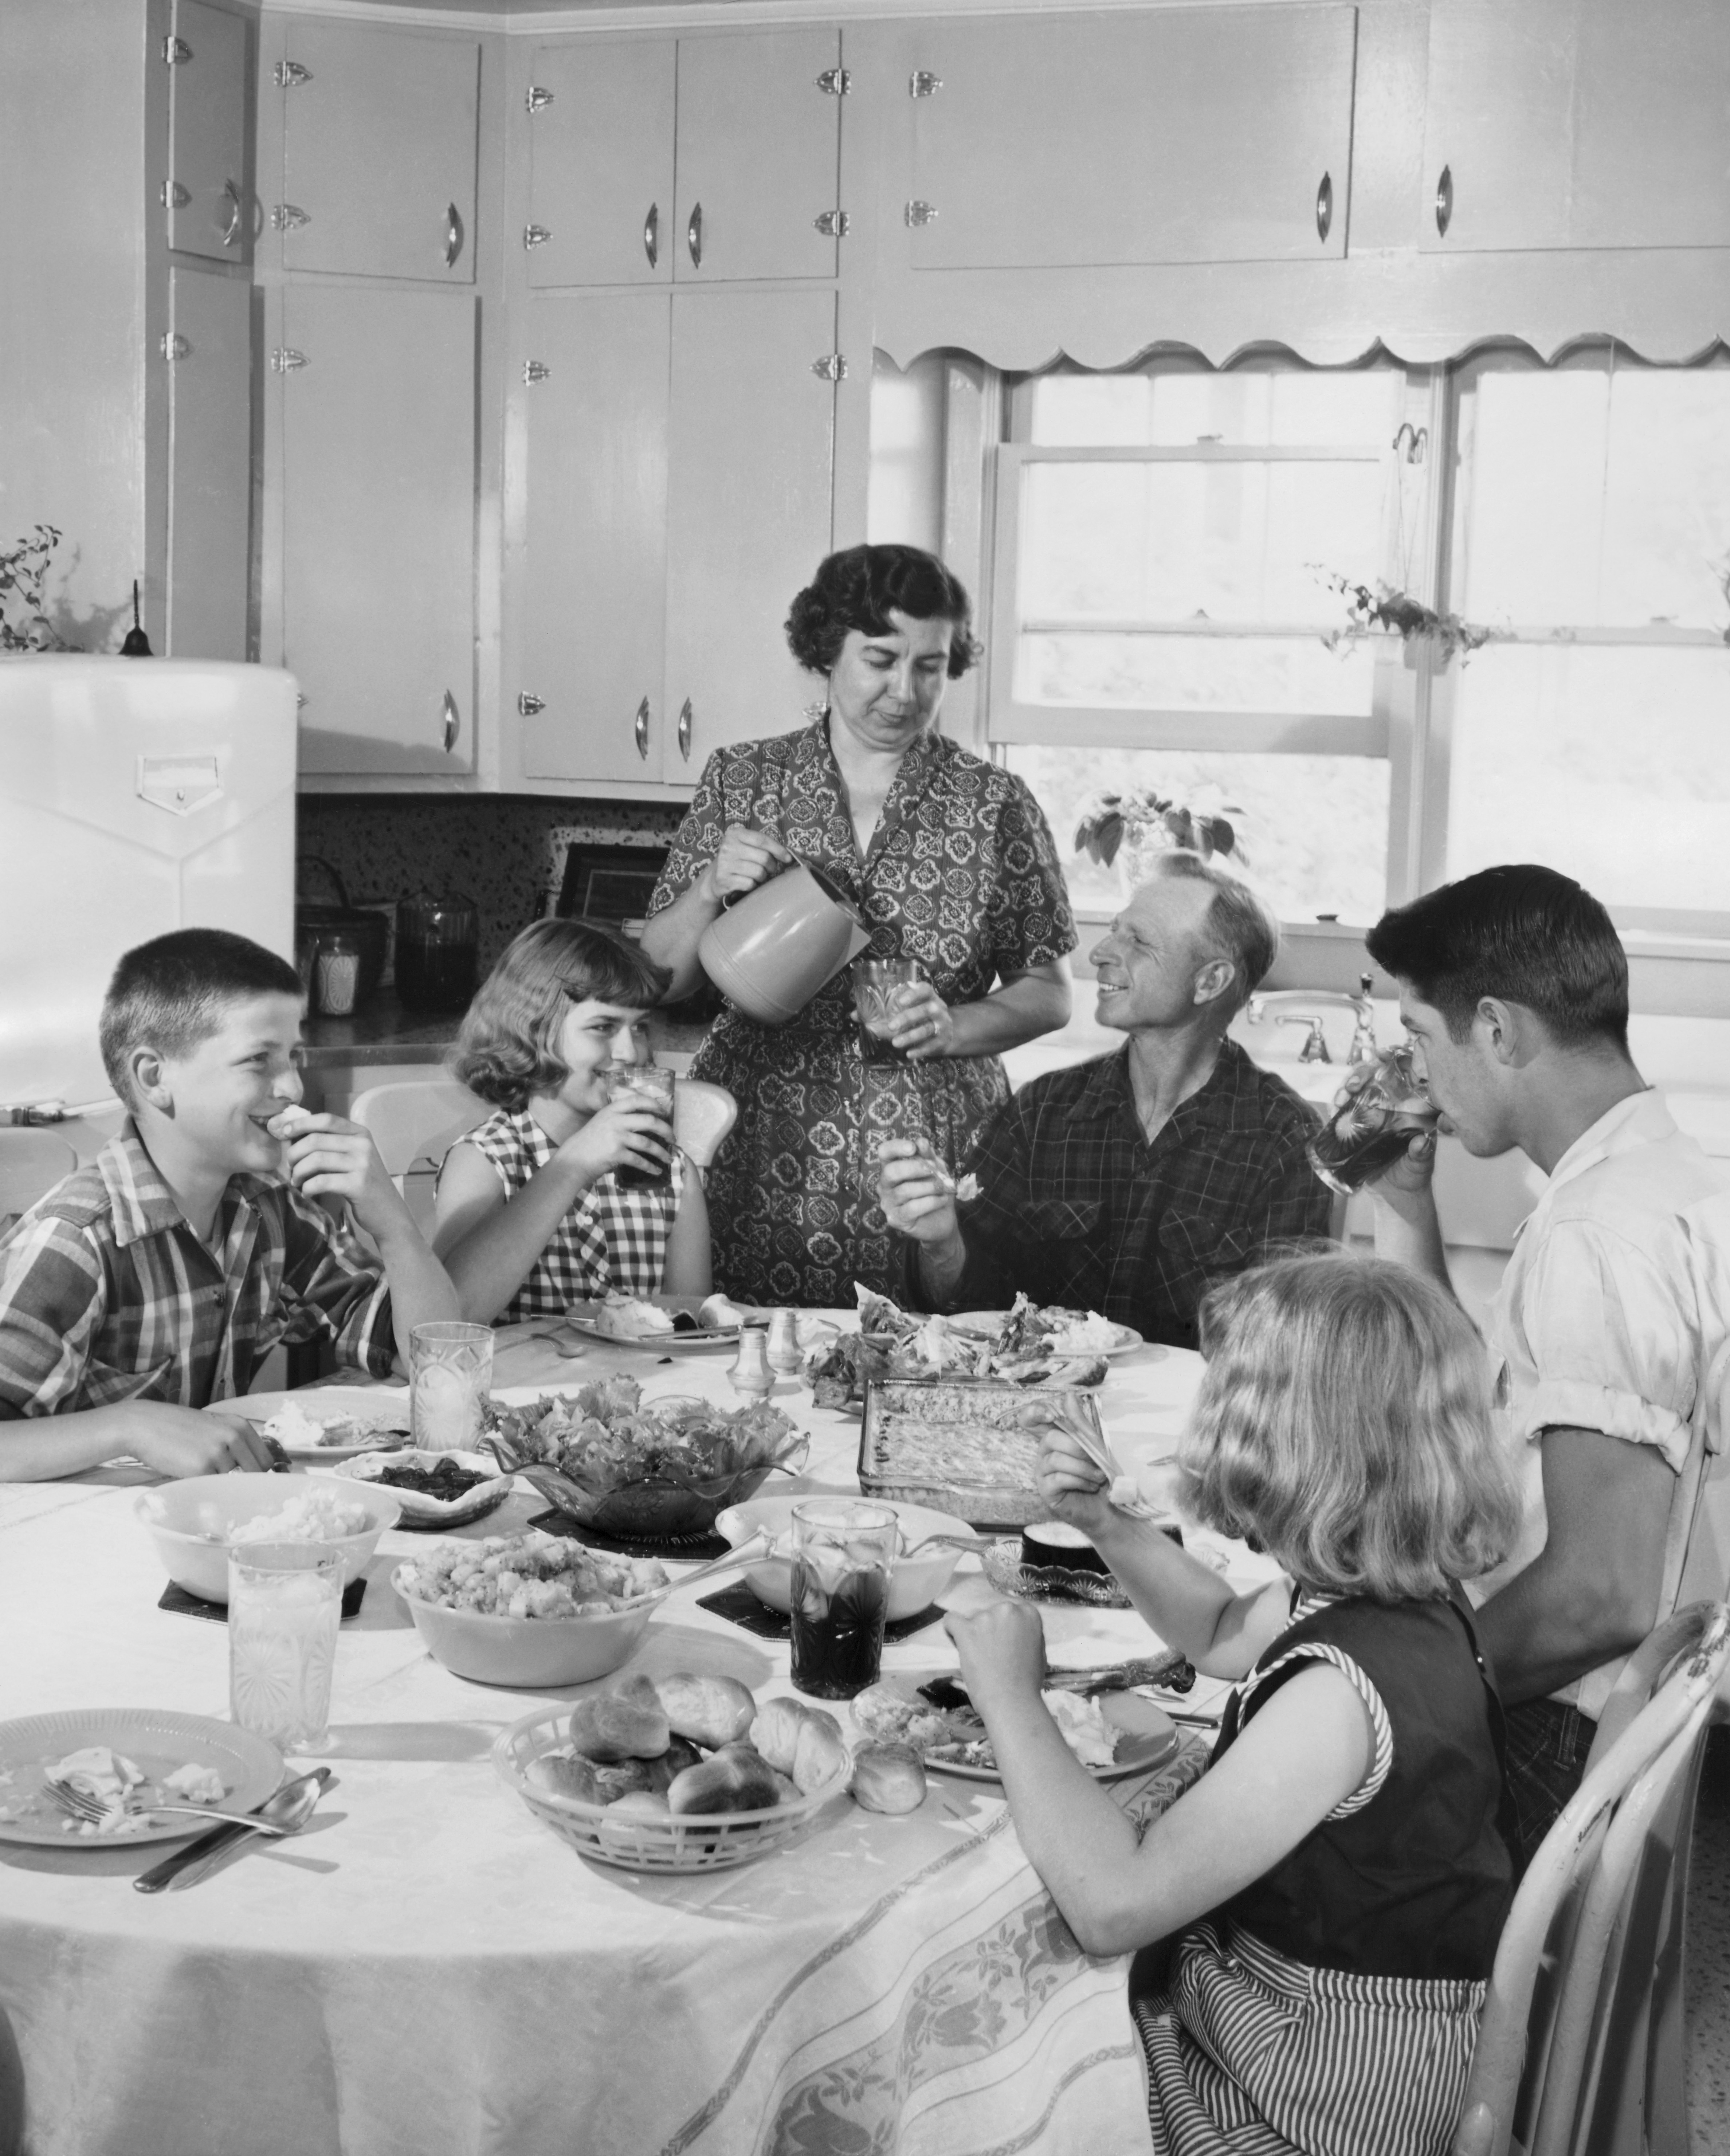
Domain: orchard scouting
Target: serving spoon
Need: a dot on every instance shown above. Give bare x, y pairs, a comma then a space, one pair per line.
741, 1553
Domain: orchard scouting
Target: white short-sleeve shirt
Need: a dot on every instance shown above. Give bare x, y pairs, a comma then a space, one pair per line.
1599, 1324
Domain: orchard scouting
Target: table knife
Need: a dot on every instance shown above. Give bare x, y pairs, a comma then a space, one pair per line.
1169, 1671
219, 1838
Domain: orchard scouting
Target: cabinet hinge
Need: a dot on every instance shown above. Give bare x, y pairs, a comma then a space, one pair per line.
834, 224
529, 704
287, 217
537, 100
285, 360
835, 82
174, 345
535, 370
831, 367
176, 52
919, 212
535, 235
174, 196
922, 83
290, 74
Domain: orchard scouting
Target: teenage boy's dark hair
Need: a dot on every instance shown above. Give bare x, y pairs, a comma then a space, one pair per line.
171, 993
1523, 934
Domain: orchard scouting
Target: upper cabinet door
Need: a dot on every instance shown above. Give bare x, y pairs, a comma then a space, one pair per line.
601, 163
1577, 123
759, 155
210, 393
1185, 135
379, 151
210, 204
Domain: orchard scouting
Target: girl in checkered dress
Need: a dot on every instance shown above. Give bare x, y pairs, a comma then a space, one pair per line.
1326, 1901
530, 1215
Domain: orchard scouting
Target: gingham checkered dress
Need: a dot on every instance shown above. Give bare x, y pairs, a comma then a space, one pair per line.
609, 1238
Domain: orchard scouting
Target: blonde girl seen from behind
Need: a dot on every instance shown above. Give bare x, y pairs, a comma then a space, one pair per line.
531, 1215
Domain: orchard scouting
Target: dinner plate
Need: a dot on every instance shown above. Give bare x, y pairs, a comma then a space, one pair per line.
983, 1323
153, 1739
1149, 1739
580, 1319
384, 1406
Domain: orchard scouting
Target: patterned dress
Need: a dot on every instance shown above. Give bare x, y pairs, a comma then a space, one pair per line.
962, 876
609, 1238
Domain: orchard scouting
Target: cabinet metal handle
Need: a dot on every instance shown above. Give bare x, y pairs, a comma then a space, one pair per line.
176, 52
174, 345
684, 736
453, 235
641, 729
536, 235
286, 216
537, 100
529, 704
174, 195
834, 224
1444, 201
453, 724
290, 74
231, 230
286, 359
1324, 207
651, 234
693, 236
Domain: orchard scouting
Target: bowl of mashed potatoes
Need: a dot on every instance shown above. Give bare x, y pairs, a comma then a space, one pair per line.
195, 1523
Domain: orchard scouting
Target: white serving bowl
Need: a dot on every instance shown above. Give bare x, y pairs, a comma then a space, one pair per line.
914, 1583
535, 1654
193, 1561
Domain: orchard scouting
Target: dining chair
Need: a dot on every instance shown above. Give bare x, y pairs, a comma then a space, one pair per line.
1579, 2052
31, 1164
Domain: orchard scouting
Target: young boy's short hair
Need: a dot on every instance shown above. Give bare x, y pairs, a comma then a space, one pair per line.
172, 993
1344, 1425
508, 1050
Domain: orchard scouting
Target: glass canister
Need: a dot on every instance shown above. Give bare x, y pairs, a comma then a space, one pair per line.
438, 941
336, 973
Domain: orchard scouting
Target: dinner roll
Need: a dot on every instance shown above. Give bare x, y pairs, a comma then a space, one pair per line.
775, 1732
888, 1778
735, 1779
639, 1804
820, 1754
629, 1723
560, 1776
712, 1711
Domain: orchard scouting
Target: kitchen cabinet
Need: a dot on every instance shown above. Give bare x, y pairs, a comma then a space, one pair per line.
209, 203
689, 160
210, 431
679, 457
379, 150
1184, 135
1576, 124
374, 482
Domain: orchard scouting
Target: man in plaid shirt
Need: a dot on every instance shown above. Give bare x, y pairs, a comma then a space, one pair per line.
155, 1280
1129, 1184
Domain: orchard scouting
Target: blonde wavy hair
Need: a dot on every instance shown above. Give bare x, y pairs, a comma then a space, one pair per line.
507, 1049
1344, 1426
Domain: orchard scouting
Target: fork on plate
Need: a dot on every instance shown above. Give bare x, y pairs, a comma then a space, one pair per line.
82, 1804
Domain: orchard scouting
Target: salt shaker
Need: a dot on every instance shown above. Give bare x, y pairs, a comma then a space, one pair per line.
783, 1343
751, 1378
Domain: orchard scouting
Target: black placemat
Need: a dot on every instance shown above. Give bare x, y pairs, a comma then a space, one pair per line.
740, 1606
692, 1548
183, 1604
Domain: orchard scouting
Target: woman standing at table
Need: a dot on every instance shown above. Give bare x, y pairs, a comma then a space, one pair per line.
952, 863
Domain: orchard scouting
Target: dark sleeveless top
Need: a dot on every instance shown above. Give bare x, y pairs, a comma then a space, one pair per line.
1416, 1882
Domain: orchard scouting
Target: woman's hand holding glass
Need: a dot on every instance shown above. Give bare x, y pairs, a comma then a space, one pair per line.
744, 859
923, 1024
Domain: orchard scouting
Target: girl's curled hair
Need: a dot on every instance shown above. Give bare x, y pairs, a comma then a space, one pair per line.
508, 1050
861, 587
1344, 1425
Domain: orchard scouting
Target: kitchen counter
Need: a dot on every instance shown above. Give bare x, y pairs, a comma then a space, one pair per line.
383, 1032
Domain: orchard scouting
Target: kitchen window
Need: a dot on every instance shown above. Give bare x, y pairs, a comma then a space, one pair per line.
1164, 541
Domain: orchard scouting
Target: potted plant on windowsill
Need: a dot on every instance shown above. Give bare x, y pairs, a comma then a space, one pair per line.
1140, 823
24, 625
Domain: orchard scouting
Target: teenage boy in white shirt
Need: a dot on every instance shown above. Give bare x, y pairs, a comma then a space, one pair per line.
1514, 987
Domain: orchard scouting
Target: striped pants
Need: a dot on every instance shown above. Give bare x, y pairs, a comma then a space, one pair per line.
1249, 2054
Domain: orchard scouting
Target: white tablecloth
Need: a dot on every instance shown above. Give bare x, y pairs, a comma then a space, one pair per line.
427, 1969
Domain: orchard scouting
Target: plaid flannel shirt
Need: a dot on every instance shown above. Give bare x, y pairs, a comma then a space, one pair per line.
1076, 1207
107, 1294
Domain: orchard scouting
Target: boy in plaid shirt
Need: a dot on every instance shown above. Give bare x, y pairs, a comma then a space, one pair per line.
157, 1278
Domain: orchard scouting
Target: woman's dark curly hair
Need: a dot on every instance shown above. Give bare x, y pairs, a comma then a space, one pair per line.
861, 587
508, 1050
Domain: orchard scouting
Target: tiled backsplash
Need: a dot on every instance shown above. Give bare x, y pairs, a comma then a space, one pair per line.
502, 851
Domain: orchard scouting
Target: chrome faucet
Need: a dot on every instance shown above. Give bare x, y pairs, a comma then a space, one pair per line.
1308, 1002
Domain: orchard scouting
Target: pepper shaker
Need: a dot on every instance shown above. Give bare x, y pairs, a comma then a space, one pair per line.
783, 1343
750, 1376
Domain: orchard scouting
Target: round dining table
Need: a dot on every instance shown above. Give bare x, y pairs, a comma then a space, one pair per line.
427, 1969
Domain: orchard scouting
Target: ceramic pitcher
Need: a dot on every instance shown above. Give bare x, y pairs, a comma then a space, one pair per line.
772, 952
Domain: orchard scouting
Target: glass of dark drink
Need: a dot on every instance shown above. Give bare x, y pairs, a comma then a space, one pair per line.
877, 986
1373, 1122
654, 1089
843, 1555
437, 943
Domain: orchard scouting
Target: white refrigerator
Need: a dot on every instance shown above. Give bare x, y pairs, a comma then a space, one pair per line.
136, 795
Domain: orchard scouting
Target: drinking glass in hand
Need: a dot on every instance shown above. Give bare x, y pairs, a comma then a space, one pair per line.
652, 1088
877, 985
1373, 1126
843, 1554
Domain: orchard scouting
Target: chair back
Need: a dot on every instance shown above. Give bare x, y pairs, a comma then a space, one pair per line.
414, 1122
702, 1116
1582, 2017
31, 1164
